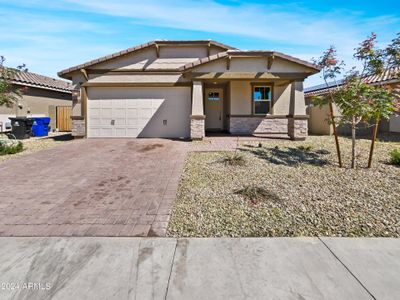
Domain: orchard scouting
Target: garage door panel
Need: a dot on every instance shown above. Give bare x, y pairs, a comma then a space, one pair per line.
106, 103
119, 121
146, 113
95, 121
106, 131
106, 121
106, 113
119, 112
133, 112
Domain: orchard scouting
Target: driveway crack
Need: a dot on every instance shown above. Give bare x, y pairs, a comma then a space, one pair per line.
170, 271
347, 268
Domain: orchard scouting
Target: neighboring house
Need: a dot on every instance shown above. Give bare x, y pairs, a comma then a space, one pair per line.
41, 97
181, 89
318, 121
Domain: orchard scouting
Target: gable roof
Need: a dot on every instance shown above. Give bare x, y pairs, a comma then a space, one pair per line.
248, 53
63, 73
388, 76
40, 81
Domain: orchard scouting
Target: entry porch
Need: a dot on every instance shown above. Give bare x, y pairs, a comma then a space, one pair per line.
248, 106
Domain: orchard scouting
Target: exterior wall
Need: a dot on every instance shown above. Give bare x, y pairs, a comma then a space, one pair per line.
288, 113
240, 98
318, 121
297, 129
250, 125
282, 94
78, 127
139, 59
197, 127
38, 102
394, 124
252, 64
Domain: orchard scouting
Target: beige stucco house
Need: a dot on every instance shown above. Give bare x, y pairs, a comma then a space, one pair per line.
183, 89
41, 97
318, 116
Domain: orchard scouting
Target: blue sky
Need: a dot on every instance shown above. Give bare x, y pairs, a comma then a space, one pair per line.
52, 35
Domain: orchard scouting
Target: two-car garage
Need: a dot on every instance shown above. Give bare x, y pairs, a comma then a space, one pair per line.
138, 112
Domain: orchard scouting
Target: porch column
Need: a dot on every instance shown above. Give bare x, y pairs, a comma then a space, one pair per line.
197, 118
297, 119
78, 120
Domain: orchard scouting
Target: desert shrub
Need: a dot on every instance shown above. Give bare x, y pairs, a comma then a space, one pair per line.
257, 194
395, 157
10, 148
234, 159
305, 148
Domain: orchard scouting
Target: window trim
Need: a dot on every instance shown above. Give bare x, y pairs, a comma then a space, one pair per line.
262, 84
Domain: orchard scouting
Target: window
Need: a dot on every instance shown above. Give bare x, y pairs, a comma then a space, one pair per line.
213, 96
262, 100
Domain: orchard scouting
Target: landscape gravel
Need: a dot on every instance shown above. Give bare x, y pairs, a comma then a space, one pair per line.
37, 144
315, 196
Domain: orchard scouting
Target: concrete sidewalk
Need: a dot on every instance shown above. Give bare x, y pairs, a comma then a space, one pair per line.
162, 268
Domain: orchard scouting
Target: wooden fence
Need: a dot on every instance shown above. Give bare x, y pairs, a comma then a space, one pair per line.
64, 122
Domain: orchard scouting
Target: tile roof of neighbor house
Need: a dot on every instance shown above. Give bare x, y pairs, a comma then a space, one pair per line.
181, 65
41, 82
388, 76
142, 46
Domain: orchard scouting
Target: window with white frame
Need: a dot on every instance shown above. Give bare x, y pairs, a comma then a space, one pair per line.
262, 97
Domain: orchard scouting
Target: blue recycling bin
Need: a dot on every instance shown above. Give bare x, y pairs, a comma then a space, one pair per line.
40, 126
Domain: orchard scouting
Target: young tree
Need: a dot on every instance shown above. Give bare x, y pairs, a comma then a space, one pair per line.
330, 68
357, 101
375, 62
8, 94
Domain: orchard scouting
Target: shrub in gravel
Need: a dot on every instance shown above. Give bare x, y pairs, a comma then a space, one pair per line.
234, 159
395, 157
257, 194
10, 148
305, 148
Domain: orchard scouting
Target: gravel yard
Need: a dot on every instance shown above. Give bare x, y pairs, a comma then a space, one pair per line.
306, 193
36, 144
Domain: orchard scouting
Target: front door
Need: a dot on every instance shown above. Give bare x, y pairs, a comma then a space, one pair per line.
214, 109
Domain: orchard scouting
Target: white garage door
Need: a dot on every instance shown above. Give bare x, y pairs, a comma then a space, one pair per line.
138, 112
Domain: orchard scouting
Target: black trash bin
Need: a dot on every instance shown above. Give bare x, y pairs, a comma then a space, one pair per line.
21, 127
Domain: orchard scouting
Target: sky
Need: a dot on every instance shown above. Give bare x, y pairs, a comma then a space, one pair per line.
49, 36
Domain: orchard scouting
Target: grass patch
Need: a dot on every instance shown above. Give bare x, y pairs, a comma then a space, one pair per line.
7, 147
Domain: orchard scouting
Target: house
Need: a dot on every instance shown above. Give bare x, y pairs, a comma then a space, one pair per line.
318, 121
41, 97
183, 89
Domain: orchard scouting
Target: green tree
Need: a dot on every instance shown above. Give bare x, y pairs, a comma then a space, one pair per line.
357, 101
9, 95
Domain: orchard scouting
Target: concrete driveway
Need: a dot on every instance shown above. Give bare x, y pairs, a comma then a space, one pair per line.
92, 187
222, 268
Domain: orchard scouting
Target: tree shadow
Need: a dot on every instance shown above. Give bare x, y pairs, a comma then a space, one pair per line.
288, 156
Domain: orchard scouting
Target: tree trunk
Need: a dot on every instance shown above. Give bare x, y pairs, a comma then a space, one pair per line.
374, 134
353, 143
335, 134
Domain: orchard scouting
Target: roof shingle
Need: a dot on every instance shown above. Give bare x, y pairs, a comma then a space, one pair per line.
40, 81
